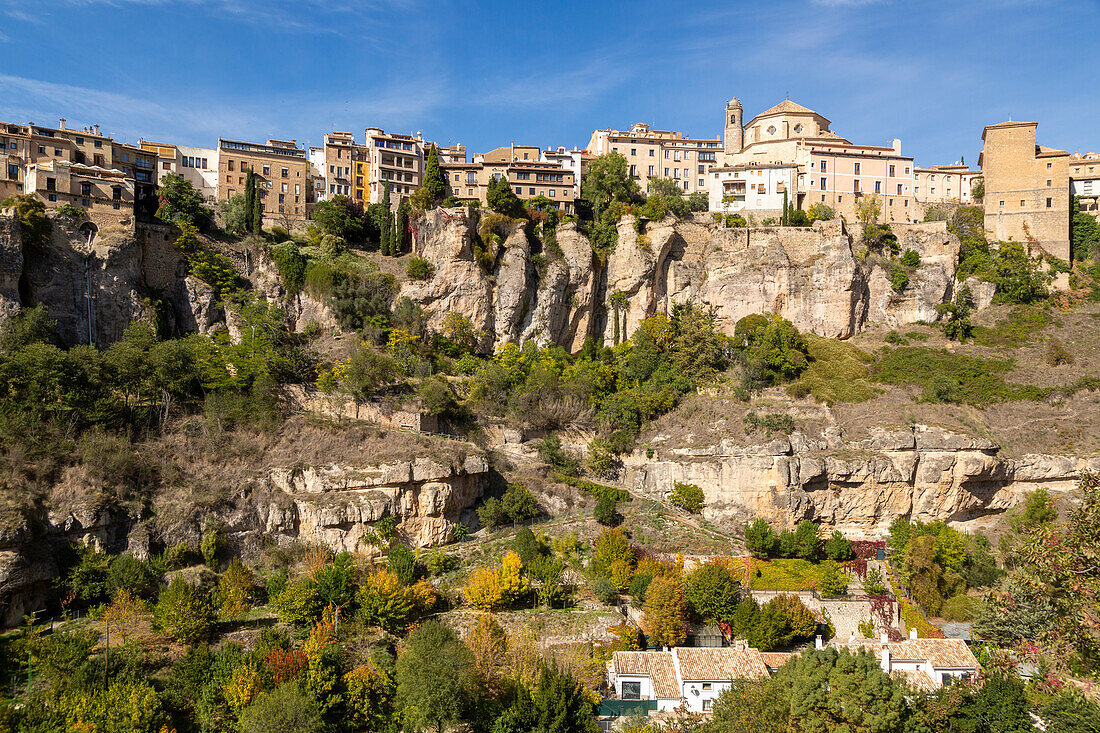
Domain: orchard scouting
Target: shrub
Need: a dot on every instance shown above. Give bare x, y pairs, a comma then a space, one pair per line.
127, 572
949, 377
760, 539
402, 563
837, 547
73, 212
491, 513
771, 422
518, 503
638, 587
1057, 354
893, 337
605, 591
832, 582
899, 278
299, 603
551, 451
911, 258
961, 608
183, 612
873, 583
283, 710
712, 591
606, 511
291, 265
837, 372
419, 268
212, 547
688, 497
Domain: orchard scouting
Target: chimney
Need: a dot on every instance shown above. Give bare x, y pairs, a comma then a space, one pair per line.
817, 643
884, 638
97, 129
912, 633
896, 146
886, 659
61, 123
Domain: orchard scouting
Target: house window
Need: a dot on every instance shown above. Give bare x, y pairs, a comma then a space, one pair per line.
116, 194
878, 186
824, 166
551, 193
230, 165
532, 191
1002, 204
13, 171
651, 170
707, 687
822, 184
51, 184
1021, 203
1048, 166
1049, 202
632, 690
286, 172
707, 705
85, 189
899, 189
891, 171
855, 186
52, 197
651, 151
42, 149
1048, 181
57, 151
857, 169
634, 151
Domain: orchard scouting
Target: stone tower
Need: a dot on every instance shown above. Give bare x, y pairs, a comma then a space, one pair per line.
734, 136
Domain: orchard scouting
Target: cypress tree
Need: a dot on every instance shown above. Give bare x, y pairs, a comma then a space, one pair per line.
249, 200
435, 186
402, 227
387, 223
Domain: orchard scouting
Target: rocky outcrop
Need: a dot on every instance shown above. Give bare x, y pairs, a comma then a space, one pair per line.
11, 266
336, 505
921, 472
809, 275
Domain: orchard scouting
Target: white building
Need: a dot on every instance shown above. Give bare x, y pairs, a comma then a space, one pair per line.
757, 189
570, 160
197, 165
692, 678
317, 172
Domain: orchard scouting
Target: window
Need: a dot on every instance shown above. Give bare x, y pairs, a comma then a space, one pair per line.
666, 155
632, 690
1021, 203
52, 197
822, 184
651, 151
85, 203
702, 169
855, 186
205, 166
707, 705
532, 191
899, 189
99, 143
634, 151
1048, 166
13, 171
824, 166
891, 171
551, 193
878, 185
51, 184
857, 169
166, 166
42, 149
666, 172
707, 687
79, 141
1002, 203
519, 189
230, 165
633, 171
771, 129
115, 205
798, 128
1049, 202
651, 170
286, 172
1048, 181
57, 151
282, 197
116, 194
85, 189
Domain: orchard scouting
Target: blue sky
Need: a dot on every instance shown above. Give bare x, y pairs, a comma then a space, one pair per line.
547, 73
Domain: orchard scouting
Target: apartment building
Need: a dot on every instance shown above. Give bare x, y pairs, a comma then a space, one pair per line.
660, 154
283, 171
831, 169
392, 160
339, 151
572, 160
945, 184
521, 166
1084, 182
199, 166
1027, 188
450, 154
78, 161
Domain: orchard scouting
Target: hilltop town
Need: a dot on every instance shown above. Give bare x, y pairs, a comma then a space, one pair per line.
770, 431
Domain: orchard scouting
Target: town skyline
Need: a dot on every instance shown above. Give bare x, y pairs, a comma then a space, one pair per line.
438, 83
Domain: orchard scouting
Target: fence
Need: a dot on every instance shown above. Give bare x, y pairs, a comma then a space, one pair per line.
615, 708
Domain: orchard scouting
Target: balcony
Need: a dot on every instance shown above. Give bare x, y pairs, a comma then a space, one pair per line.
618, 708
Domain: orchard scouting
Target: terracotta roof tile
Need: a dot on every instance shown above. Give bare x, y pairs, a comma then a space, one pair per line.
658, 666
719, 663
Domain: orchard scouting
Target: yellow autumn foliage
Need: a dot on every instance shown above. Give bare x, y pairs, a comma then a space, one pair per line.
489, 589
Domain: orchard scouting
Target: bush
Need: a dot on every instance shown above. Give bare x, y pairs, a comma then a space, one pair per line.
688, 497
419, 268
837, 372
606, 511
183, 612
491, 513
911, 258
832, 582
893, 337
760, 539
551, 451
960, 608
605, 591
772, 349
1057, 354
899, 278
73, 212
638, 587
837, 547
949, 377
291, 265
127, 572
519, 504
283, 710
771, 422
402, 563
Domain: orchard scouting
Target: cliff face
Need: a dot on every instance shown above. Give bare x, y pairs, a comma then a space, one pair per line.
811, 276
334, 505
859, 487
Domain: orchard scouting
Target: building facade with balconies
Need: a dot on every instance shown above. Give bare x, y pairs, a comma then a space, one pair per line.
282, 171
660, 154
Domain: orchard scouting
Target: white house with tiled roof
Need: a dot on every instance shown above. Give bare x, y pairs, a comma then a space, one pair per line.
692, 678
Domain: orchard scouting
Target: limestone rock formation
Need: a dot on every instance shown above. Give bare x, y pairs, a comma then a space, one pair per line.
923, 472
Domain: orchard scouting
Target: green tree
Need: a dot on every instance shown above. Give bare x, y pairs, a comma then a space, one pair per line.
369, 697
807, 540
236, 214
181, 202
1001, 705
820, 212
607, 179
760, 706
837, 547
34, 226
833, 582
299, 603
502, 199
760, 539
126, 571
561, 705
435, 676
712, 591
402, 563
688, 497
387, 245
1017, 275
1038, 510
283, 710
184, 612
340, 217
519, 503
606, 512
772, 349
831, 691
434, 184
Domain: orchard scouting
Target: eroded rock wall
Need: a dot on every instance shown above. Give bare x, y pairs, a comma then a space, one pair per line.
859, 487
